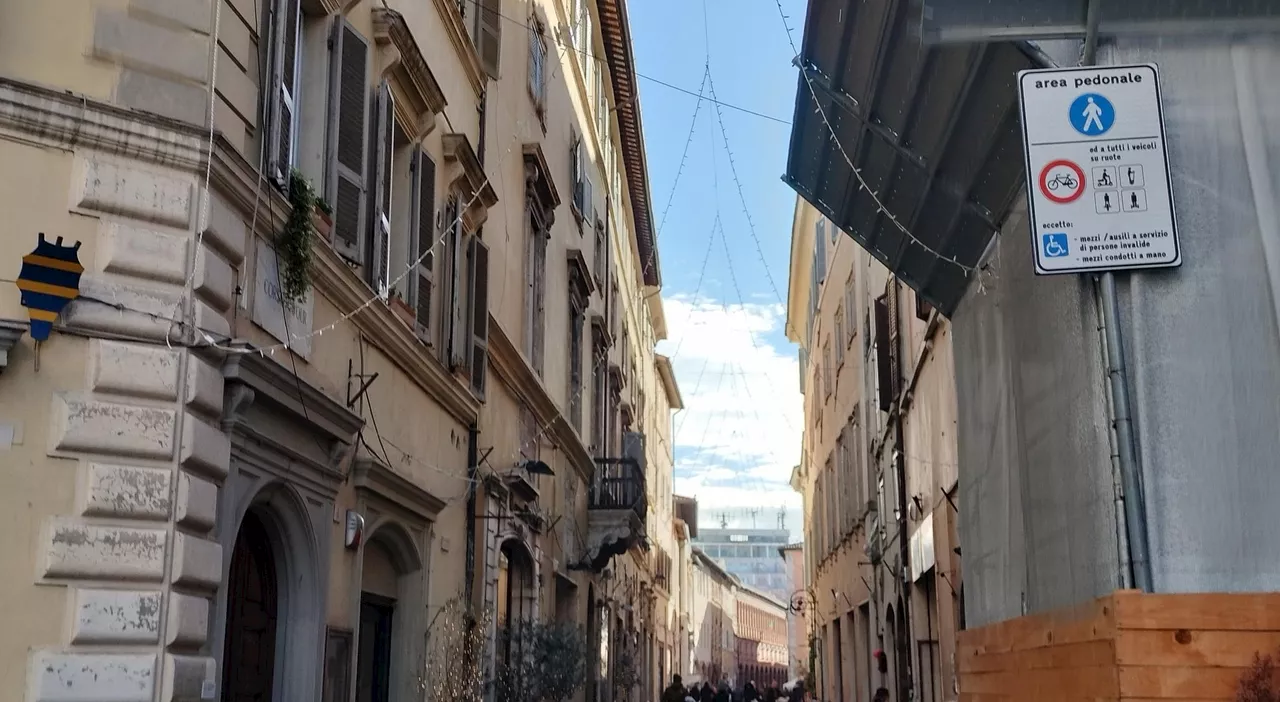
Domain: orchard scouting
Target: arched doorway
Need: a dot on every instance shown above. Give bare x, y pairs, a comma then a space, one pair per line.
517, 596
389, 640
378, 598
252, 614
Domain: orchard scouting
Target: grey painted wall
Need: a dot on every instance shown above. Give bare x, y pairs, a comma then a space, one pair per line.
1037, 517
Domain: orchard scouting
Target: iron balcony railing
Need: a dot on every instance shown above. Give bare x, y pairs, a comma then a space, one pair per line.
619, 485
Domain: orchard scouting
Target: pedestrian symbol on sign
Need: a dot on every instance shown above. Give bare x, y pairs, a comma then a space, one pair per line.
1092, 114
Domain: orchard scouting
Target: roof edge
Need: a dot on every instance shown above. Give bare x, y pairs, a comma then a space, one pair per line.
616, 32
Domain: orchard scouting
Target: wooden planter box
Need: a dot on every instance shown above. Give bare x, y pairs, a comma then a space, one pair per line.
1126, 646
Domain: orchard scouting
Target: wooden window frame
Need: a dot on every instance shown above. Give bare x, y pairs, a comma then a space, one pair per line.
281, 95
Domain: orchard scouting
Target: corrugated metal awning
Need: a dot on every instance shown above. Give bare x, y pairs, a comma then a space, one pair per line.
933, 131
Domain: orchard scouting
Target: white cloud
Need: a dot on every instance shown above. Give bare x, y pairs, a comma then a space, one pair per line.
739, 436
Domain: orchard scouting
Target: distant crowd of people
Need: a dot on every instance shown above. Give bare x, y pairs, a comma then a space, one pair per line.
724, 692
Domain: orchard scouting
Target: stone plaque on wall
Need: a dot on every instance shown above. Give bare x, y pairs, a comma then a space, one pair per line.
281, 319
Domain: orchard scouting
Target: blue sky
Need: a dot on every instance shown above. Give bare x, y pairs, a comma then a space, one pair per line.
740, 434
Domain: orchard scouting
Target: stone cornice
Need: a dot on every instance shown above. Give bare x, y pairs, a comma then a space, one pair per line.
516, 373
271, 381
409, 70
581, 282
457, 148
456, 28
65, 120
538, 173
371, 476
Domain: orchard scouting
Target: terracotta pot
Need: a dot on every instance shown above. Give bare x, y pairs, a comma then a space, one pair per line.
402, 309
323, 224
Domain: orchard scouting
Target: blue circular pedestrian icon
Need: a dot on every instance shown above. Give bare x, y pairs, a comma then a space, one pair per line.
1092, 114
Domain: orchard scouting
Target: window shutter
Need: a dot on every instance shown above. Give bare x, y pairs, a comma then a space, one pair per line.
822, 257
489, 35
457, 336
478, 257
884, 365
424, 206
575, 171
537, 50
585, 26
345, 185
539, 298
282, 93
381, 144
602, 107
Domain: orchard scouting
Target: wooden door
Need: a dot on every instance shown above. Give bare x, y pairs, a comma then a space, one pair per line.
373, 668
252, 599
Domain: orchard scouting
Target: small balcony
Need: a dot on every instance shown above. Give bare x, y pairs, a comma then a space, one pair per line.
617, 505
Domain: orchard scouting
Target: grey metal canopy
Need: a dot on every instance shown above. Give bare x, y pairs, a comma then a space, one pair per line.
933, 130
988, 20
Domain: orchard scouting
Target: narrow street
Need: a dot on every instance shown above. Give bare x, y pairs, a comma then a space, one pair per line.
392, 351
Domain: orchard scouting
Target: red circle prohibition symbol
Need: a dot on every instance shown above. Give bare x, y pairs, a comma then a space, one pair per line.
1073, 191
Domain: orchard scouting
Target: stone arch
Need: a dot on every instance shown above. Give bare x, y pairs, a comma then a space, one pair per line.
405, 549
300, 582
400, 544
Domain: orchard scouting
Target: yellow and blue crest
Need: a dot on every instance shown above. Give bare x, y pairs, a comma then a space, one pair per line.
50, 278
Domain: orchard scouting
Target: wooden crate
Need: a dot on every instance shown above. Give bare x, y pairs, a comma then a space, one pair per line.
1127, 646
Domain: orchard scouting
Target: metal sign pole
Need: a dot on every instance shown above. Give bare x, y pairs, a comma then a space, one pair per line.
1134, 505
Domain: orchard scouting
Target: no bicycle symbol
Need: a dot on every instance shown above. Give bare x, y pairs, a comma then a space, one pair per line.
1062, 181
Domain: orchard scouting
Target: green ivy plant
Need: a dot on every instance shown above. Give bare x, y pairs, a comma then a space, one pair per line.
293, 245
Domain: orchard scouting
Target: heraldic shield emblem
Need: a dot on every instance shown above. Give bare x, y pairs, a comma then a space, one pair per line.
50, 278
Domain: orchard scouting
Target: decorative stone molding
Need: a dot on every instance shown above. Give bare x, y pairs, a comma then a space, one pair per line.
581, 282
611, 533
64, 120
10, 332
272, 382
600, 328
372, 477
537, 177
256, 385
515, 372
419, 92
458, 150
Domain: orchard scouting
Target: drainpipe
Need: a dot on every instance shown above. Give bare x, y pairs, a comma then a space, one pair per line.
473, 440
1117, 481
1134, 513
904, 548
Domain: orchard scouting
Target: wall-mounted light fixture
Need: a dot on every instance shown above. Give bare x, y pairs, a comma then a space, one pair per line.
355, 529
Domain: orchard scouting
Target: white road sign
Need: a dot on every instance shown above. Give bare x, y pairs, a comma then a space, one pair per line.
1097, 169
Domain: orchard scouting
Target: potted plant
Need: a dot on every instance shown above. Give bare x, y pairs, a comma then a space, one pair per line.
293, 243
322, 219
401, 307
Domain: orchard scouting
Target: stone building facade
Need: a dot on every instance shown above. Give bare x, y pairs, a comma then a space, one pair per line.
252, 461
878, 472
